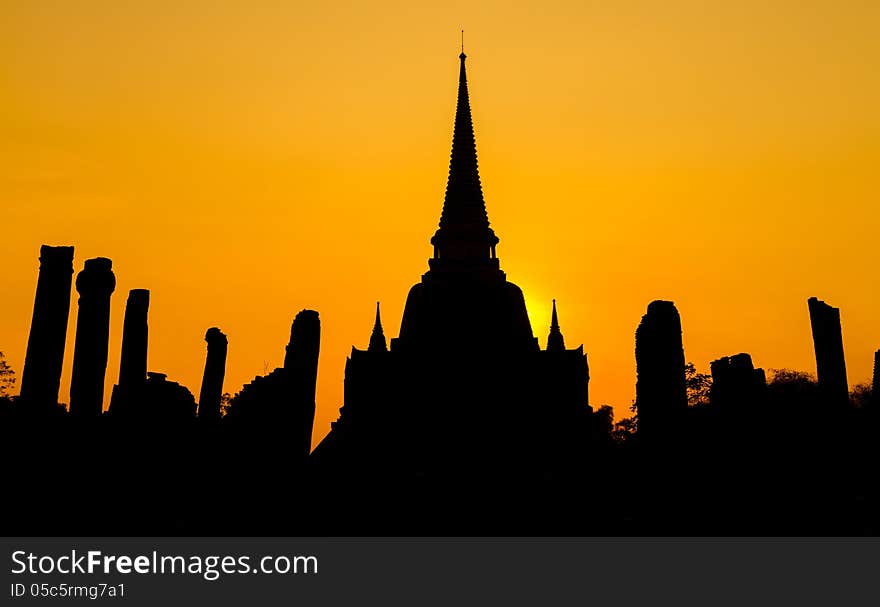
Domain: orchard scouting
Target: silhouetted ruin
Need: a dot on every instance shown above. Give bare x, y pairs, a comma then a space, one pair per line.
661, 394
736, 382
212, 379
828, 342
282, 403
301, 364
168, 400
464, 400
135, 342
41, 377
135, 339
95, 283
461, 425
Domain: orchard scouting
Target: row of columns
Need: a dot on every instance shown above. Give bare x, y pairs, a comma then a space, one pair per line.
41, 377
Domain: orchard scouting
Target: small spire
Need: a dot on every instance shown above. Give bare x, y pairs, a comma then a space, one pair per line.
555, 343
377, 339
462, 56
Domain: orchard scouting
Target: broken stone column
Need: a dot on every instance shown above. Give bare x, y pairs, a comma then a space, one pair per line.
828, 343
135, 339
661, 393
94, 284
736, 382
301, 365
41, 376
133, 361
215, 371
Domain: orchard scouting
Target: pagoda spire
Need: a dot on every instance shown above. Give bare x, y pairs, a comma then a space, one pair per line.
464, 233
555, 343
377, 339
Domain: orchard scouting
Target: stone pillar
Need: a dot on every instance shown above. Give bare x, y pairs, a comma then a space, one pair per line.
135, 333
41, 376
661, 393
301, 365
128, 393
828, 343
215, 371
94, 284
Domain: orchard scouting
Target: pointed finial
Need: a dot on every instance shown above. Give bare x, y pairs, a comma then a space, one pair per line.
377, 339
462, 56
555, 342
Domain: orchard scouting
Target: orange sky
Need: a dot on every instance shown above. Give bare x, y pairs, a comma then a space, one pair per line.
245, 160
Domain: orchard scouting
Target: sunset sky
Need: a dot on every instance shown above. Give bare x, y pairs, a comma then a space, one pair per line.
246, 160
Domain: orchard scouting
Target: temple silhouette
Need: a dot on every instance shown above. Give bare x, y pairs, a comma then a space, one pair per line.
463, 424
465, 393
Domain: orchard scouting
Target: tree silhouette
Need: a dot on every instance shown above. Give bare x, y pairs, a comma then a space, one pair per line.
625, 429
860, 396
791, 377
698, 386
790, 384
7, 378
225, 401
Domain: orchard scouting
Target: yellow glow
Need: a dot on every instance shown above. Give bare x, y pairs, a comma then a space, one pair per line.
245, 160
